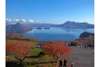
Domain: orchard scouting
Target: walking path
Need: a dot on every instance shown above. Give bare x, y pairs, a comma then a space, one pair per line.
82, 57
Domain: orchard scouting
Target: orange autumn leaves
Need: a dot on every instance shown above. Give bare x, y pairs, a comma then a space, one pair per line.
18, 48
21, 48
58, 49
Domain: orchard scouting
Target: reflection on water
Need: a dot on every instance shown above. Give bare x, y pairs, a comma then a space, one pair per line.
55, 34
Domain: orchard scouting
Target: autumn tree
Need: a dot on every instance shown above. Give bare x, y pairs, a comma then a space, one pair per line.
19, 49
58, 49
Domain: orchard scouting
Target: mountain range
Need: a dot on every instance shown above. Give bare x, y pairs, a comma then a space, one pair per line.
24, 27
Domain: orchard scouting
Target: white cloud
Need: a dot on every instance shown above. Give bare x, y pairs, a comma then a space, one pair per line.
17, 20
8, 19
30, 20
23, 20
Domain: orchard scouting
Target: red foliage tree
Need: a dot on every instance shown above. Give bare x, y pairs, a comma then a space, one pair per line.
58, 49
18, 49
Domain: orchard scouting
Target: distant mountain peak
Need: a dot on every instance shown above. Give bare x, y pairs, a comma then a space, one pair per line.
74, 22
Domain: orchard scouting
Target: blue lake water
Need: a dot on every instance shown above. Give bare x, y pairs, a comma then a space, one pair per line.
55, 34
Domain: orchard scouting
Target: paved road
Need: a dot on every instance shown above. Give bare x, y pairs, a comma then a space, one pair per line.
82, 57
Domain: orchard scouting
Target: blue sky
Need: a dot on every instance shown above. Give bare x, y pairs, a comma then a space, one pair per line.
51, 11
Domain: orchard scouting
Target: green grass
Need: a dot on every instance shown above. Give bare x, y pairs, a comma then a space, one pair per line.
36, 51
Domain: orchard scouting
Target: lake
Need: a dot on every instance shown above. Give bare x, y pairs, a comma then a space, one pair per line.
55, 33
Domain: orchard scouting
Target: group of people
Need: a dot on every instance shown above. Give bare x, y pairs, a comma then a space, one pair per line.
64, 63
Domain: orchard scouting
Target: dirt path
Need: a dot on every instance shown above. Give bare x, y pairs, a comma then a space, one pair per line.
82, 57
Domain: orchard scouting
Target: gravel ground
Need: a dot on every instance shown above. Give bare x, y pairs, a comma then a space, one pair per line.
82, 57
